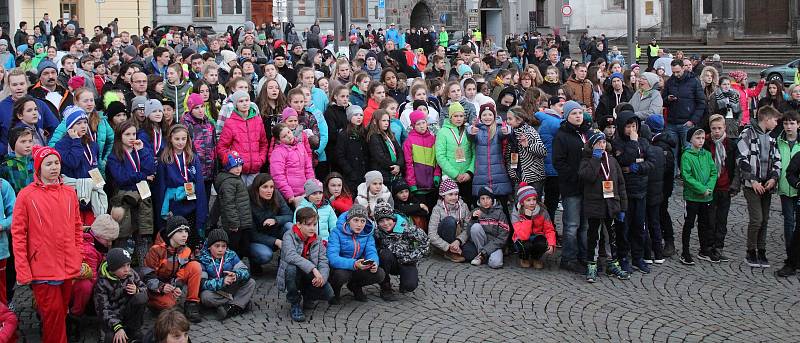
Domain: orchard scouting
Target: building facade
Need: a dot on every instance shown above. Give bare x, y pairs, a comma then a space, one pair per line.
133, 15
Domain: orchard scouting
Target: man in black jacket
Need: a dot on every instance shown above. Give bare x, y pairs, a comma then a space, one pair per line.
685, 102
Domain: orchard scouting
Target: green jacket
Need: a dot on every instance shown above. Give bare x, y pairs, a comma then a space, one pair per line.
443, 39
786, 155
446, 146
699, 174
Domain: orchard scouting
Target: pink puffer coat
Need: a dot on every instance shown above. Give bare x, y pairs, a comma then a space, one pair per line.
247, 137
291, 166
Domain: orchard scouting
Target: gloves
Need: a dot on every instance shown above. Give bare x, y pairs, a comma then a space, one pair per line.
597, 153
412, 189
86, 272
437, 180
634, 167
621, 216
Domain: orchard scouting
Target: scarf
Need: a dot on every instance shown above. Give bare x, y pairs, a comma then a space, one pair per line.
719, 152
551, 79
307, 241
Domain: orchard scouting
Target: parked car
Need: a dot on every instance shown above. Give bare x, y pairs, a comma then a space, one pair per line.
784, 72
162, 30
454, 43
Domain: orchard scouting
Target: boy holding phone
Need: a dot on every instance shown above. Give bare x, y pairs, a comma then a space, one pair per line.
226, 284
352, 253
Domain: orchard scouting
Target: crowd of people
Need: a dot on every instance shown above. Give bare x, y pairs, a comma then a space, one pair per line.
142, 172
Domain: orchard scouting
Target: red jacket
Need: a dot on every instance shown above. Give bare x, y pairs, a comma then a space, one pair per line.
8, 325
247, 137
372, 106
91, 256
539, 224
47, 233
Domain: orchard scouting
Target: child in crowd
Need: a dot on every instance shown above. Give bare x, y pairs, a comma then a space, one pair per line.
351, 152
605, 199
373, 190
226, 284
454, 153
667, 143
290, 164
244, 132
315, 199
788, 147
525, 152
407, 204
385, 152
423, 174
171, 326
303, 271
338, 193
488, 230
700, 178
170, 272
96, 243
181, 190
201, 129
759, 163
120, 297
534, 233
271, 219
7, 273
152, 130
237, 220
401, 245
17, 167
26, 115
352, 254
723, 151
446, 227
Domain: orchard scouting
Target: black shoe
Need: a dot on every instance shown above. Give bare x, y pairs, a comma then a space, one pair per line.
256, 269
704, 256
73, 329
762, 259
222, 312
722, 257
358, 293
687, 259
669, 249
752, 260
192, 311
787, 270
714, 256
388, 295
334, 301
234, 311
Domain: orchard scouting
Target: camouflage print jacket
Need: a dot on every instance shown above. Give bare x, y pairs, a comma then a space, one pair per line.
407, 242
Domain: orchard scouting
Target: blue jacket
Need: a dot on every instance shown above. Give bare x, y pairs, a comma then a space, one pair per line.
326, 216
344, 248
490, 169
213, 282
73, 157
8, 199
690, 103
147, 140
123, 173
48, 120
547, 130
399, 132
319, 99
394, 36
168, 177
104, 136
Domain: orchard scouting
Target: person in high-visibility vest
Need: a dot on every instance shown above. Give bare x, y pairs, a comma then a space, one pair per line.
652, 53
638, 52
444, 38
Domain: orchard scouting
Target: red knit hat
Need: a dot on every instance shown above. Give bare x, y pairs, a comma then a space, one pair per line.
524, 192
39, 153
447, 186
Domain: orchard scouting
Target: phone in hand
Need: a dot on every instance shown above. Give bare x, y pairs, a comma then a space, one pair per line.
368, 262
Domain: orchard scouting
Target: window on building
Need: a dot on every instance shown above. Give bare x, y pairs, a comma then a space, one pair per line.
203, 9
707, 7
359, 9
173, 6
232, 7
616, 4
325, 9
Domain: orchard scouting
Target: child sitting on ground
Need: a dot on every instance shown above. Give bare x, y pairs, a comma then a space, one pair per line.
534, 234
371, 190
400, 246
120, 297
446, 225
488, 230
226, 284
406, 203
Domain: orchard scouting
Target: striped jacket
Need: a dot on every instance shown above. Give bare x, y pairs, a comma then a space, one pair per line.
420, 158
530, 164
752, 141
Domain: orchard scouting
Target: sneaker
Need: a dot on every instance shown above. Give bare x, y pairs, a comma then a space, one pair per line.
297, 313
222, 312
658, 257
192, 311
477, 261
641, 266
704, 256
648, 261
714, 255
687, 259
591, 272
722, 257
669, 249
752, 260
454, 257
787, 270
614, 269
358, 294
762, 259
234, 311
625, 266
387, 294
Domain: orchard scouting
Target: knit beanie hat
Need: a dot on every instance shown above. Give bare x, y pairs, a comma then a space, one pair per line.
151, 106
524, 192
352, 111
131, 51
372, 176
105, 227
287, 113
138, 103
238, 95
44, 64
186, 53
655, 122
116, 258
571, 105
357, 211
651, 78
416, 116
694, 131
216, 235
418, 103
485, 190
174, 224
487, 106
616, 76
605, 121
463, 69
455, 107
383, 210
596, 136
76, 82
249, 26
39, 153
233, 160
73, 114
399, 186
194, 100
312, 186
447, 186
114, 108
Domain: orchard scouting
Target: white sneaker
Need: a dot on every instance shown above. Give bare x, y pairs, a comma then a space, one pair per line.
476, 261
651, 261
661, 261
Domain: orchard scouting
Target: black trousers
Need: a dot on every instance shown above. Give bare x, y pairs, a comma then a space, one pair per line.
533, 248
354, 278
551, 195
447, 230
699, 211
720, 207
409, 276
593, 236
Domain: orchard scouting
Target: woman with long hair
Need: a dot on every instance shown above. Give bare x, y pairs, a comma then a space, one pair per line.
386, 154
775, 97
271, 102
271, 218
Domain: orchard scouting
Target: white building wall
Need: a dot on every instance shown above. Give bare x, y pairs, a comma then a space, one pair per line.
185, 17
596, 17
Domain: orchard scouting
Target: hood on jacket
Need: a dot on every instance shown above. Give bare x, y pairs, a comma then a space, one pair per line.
344, 227
306, 203
400, 225
625, 117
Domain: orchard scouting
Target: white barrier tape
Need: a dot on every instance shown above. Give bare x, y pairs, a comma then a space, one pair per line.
748, 64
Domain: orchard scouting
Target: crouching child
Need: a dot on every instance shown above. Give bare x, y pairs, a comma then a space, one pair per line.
401, 244
120, 297
488, 231
534, 233
226, 284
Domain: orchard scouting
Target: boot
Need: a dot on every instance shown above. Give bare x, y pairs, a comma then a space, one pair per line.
669, 249
192, 311
454, 257
524, 262
537, 263
73, 328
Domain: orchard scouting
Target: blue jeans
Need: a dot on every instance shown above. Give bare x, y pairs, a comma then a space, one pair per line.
788, 210
262, 244
575, 226
678, 131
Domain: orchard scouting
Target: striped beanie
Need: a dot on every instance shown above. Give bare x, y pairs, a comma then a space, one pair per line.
524, 192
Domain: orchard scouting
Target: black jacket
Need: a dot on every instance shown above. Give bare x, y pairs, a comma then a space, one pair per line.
628, 153
380, 158
568, 145
592, 177
336, 117
352, 157
666, 142
608, 101
655, 179
690, 102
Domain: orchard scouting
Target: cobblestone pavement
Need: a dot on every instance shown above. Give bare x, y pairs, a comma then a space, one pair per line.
462, 303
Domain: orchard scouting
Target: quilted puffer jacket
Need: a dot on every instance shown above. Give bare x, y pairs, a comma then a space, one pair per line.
245, 134
407, 242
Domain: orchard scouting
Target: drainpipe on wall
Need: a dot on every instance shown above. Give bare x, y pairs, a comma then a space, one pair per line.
155, 16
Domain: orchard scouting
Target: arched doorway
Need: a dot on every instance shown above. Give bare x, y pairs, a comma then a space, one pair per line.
492, 20
421, 15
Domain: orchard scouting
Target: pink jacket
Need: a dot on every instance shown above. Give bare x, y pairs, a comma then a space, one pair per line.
420, 158
91, 256
291, 166
248, 138
745, 95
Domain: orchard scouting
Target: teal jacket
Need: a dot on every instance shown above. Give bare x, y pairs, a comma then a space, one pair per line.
7, 200
786, 155
326, 216
699, 174
105, 139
